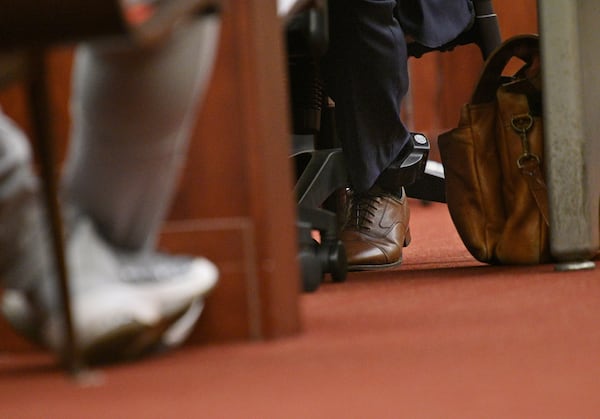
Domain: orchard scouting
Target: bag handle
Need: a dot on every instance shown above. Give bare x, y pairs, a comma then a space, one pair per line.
525, 47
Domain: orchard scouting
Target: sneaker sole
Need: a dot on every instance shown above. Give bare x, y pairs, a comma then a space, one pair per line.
167, 327
129, 342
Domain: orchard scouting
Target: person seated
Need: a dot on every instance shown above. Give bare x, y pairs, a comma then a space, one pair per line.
366, 74
133, 112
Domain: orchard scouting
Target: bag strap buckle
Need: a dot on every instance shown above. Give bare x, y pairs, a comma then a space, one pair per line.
522, 124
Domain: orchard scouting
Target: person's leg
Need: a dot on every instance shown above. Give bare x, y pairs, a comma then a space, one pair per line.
124, 302
366, 71
367, 76
122, 308
133, 114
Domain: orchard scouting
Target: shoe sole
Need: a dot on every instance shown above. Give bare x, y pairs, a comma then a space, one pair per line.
137, 339
129, 342
357, 268
134, 338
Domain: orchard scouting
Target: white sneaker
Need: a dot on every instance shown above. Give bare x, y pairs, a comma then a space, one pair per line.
123, 305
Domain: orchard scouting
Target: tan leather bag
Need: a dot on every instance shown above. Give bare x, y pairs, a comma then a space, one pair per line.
493, 160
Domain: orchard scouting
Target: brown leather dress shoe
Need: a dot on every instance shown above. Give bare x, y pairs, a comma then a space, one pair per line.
376, 230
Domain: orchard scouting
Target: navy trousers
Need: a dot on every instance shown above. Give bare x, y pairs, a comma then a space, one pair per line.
367, 76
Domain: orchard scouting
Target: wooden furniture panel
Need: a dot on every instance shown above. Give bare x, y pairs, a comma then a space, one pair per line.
238, 168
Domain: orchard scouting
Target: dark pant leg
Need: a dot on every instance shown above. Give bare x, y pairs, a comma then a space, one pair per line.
367, 76
133, 113
435, 22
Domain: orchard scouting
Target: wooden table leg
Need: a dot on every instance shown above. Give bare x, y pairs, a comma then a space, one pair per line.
40, 116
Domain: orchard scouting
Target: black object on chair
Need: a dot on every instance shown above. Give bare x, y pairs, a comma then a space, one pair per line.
321, 172
319, 161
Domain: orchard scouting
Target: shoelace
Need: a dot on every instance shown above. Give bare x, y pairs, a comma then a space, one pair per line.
362, 211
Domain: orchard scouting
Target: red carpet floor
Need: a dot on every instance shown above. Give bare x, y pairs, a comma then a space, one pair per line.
441, 337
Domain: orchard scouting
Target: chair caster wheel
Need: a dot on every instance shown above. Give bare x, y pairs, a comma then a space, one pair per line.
310, 269
333, 260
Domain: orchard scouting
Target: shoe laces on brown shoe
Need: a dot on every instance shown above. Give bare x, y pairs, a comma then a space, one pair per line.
376, 230
362, 211
363, 208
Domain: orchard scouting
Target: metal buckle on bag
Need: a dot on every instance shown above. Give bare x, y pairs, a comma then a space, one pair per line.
522, 124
